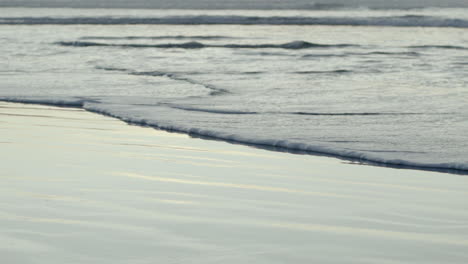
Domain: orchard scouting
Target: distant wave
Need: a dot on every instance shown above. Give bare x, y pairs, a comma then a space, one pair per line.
180, 37
199, 45
356, 114
439, 47
346, 54
324, 72
240, 112
213, 111
180, 4
394, 21
214, 91
404, 53
162, 73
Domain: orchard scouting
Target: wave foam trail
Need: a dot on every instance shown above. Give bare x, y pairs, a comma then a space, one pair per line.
197, 45
395, 21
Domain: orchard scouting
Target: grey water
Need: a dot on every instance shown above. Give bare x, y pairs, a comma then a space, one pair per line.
368, 83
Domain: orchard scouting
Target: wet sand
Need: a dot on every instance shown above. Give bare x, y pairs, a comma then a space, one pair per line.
78, 187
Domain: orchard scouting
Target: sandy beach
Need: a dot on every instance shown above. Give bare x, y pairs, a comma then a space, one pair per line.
78, 187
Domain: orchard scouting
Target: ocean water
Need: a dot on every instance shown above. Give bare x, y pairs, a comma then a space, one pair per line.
385, 86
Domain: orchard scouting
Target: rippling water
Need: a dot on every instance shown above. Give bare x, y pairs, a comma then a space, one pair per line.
376, 85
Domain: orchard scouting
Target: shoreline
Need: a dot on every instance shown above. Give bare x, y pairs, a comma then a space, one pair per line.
81, 187
399, 164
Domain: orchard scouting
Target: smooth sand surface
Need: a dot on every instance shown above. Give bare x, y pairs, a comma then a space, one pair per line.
78, 187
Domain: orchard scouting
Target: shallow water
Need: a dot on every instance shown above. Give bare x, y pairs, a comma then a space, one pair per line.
393, 91
96, 190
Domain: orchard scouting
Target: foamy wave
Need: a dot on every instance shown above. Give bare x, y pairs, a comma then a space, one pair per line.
395, 21
277, 143
122, 112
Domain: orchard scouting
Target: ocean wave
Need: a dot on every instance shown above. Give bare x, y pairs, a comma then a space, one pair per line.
347, 54
171, 74
355, 114
439, 47
284, 145
394, 21
111, 69
337, 114
198, 45
324, 72
213, 111
176, 37
214, 91
406, 53
92, 105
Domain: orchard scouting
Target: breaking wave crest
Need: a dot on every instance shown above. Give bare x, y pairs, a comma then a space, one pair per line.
395, 21
199, 45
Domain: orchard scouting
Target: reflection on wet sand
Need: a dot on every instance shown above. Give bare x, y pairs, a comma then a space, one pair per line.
228, 185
